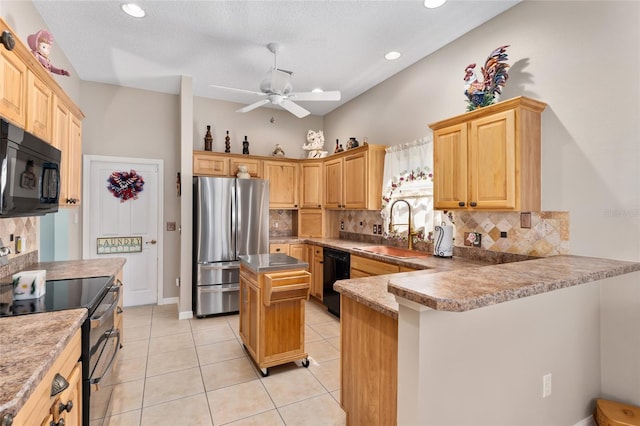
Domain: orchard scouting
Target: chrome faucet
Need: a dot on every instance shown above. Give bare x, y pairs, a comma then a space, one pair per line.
391, 224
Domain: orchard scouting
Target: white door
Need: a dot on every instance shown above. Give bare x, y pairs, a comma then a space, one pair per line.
118, 227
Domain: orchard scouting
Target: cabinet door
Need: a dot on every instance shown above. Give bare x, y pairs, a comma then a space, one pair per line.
279, 248
298, 251
310, 223
40, 107
318, 268
73, 156
333, 184
61, 116
254, 318
205, 164
71, 397
450, 167
13, 88
492, 161
254, 167
244, 310
355, 181
311, 188
283, 184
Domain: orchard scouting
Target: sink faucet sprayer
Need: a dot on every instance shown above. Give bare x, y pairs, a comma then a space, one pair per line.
391, 224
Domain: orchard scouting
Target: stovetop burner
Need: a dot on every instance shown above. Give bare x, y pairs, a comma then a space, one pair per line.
59, 295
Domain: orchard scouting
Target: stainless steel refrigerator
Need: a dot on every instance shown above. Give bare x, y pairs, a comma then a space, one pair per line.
230, 218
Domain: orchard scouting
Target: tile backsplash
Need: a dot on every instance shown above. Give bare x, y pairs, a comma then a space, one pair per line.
27, 229
282, 223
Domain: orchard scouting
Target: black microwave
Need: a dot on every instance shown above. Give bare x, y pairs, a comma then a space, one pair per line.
29, 173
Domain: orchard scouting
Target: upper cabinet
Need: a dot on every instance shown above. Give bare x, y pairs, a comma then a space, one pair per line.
353, 179
311, 184
33, 100
207, 163
283, 184
13, 86
489, 159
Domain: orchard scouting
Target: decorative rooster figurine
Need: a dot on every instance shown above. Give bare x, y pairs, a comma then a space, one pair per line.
483, 93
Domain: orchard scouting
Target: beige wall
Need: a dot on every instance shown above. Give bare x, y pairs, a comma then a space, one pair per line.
126, 122
287, 130
579, 57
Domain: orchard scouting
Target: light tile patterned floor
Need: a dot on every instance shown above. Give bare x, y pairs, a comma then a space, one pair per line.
195, 372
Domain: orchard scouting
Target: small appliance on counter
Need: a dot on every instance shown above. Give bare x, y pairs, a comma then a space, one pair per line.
29, 284
443, 241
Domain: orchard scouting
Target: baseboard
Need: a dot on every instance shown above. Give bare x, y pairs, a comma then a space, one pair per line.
185, 315
169, 301
588, 421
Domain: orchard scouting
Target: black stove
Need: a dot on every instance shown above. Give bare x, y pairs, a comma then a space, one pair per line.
59, 295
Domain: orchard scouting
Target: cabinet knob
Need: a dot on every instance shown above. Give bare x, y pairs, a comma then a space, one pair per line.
58, 384
277, 249
319, 206
461, 204
7, 420
61, 422
473, 204
65, 407
295, 205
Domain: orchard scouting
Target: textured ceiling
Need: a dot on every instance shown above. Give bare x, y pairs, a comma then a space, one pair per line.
335, 45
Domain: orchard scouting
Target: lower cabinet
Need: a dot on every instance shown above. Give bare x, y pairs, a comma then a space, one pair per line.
64, 408
368, 364
318, 272
272, 307
279, 248
365, 267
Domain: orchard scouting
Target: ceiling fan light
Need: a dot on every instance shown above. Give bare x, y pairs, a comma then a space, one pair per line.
432, 4
317, 90
133, 9
392, 56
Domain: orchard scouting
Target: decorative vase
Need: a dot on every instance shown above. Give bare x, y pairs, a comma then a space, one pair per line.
227, 143
208, 140
245, 146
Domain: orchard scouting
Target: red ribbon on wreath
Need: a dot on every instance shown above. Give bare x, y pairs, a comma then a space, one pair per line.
125, 185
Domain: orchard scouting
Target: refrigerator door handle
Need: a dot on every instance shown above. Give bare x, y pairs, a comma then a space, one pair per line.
234, 219
218, 288
216, 266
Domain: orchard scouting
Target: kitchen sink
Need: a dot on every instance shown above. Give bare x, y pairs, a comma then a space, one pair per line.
394, 251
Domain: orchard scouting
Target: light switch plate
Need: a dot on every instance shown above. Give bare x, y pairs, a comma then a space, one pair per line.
525, 220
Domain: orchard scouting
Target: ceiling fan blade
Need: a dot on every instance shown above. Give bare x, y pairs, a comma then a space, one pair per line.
294, 109
316, 96
253, 106
251, 92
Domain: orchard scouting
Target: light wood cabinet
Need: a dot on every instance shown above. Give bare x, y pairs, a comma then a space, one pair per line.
254, 166
317, 272
353, 180
298, 251
67, 137
40, 107
42, 408
311, 186
310, 223
365, 267
489, 159
283, 184
272, 315
279, 248
208, 164
13, 85
368, 364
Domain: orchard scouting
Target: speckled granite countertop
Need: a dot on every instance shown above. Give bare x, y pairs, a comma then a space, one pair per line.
81, 268
463, 290
25, 360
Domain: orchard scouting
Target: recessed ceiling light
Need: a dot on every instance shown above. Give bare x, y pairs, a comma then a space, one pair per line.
133, 9
392, 56
317, 90
432, 4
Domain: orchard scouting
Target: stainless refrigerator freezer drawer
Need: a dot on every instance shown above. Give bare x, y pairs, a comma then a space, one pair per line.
217, 299
218, 273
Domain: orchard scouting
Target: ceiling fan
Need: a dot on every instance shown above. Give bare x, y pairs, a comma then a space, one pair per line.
277, 90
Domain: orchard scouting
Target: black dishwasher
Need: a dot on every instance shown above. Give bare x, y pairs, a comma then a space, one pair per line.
336, 267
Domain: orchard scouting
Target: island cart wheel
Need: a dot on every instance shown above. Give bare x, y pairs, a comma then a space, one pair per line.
305, 363
264, 372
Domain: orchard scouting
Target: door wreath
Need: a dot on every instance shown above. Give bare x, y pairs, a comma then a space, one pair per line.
125, 185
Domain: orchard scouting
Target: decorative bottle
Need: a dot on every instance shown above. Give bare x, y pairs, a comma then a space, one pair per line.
245, 146
227, 143
208, 140
337, 147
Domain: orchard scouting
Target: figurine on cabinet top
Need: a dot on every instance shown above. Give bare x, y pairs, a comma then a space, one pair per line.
40, 44
315, 143
278, 152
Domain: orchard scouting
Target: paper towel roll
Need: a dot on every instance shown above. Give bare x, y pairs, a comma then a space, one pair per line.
29, 284
443, 241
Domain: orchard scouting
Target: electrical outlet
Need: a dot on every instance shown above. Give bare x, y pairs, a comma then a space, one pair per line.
379, 229
525, 220
472, 239
342, 226
375, 230
546, 385
171, 226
